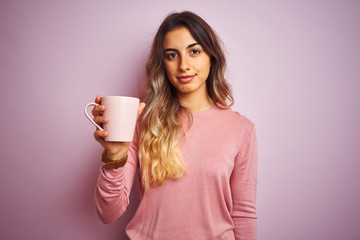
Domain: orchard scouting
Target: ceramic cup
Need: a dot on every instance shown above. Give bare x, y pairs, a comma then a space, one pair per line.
122, 113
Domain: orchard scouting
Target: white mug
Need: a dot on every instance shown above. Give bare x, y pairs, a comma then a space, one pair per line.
122, 114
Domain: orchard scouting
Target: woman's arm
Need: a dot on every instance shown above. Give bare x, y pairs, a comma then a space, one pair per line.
113, 188
243, 187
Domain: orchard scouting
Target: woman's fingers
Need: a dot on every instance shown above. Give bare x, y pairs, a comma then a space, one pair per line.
141, 108
98, 110
99, 136
100, 120
98, 99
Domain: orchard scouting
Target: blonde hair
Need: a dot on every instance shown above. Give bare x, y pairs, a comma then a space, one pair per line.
161, 127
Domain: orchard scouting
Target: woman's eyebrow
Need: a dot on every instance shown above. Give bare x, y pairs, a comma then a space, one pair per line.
171, 49
191, 45
175, 50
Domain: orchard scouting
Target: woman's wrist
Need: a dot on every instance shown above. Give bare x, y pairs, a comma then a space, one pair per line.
113, 163
115, 155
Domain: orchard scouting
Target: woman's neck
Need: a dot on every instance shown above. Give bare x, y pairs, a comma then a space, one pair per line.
195, 103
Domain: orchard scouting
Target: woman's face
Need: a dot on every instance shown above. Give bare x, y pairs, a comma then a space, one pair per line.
187, 64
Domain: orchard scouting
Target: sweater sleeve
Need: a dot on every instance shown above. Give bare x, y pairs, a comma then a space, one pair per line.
114, 186
243, 188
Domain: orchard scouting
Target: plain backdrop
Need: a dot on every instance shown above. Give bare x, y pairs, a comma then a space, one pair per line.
294, 67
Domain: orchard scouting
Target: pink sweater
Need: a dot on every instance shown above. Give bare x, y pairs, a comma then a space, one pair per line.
216, 198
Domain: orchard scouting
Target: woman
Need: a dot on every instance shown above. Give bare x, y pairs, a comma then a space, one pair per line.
196, 157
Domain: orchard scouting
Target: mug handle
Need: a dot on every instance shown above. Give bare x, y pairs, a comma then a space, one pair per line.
87, 115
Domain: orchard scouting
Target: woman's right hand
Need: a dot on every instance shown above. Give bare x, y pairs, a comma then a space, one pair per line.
114, 150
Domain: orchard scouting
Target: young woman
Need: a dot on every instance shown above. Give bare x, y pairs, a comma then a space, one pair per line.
196, 157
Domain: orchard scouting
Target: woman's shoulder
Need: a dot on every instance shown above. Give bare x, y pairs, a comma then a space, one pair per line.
234, 125
234, 117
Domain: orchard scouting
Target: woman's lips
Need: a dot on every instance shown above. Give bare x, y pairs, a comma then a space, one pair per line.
185, 79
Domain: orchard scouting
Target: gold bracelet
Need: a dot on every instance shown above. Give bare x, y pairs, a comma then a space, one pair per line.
113, 164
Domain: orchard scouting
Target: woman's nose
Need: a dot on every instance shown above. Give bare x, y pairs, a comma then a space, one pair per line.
184, 64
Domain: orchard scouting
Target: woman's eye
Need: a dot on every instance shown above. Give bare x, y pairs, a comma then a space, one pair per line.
171, 55
195, 51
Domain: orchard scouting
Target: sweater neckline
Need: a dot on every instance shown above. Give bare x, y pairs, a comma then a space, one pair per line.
208, 111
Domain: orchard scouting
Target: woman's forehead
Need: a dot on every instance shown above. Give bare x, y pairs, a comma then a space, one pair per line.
179, 37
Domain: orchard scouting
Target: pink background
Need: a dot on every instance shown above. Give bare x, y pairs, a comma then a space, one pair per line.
295, 70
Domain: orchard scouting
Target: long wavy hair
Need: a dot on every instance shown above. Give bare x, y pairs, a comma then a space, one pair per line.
161, 128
